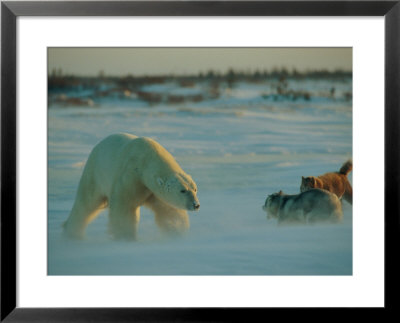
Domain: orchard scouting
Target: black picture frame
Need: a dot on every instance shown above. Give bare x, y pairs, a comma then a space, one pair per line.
10, 10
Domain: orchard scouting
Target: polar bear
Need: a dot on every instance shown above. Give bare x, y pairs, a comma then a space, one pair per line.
124, 172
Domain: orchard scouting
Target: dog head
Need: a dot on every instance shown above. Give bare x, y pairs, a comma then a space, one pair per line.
271, 205
307, 183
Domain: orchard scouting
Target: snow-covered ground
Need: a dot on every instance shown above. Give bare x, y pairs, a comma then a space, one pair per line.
238, 147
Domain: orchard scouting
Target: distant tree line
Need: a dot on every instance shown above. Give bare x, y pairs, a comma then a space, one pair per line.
57, 80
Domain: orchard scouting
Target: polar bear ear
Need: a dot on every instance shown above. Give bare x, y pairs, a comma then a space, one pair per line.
160, 181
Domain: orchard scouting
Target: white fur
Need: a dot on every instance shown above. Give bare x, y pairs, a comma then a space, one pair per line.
124, 172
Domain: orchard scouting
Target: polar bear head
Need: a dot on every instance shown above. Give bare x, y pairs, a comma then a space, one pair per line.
179, 190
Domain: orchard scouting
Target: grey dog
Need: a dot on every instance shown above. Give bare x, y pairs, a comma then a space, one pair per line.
307, 207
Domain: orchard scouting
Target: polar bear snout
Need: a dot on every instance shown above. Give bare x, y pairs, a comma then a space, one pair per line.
194, 204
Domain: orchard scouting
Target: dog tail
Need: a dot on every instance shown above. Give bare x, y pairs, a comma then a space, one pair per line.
346, 168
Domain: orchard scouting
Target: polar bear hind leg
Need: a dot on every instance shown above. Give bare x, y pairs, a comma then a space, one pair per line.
168, 218
87, 206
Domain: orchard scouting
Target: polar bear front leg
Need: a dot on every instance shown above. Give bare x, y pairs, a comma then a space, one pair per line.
123, 222
168, 218
124, 204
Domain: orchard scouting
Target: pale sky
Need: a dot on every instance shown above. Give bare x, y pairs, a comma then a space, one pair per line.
158, 61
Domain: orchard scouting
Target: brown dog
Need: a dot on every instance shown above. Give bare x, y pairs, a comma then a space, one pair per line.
336, 182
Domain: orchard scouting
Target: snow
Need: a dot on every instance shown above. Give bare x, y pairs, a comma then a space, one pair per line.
239, 148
